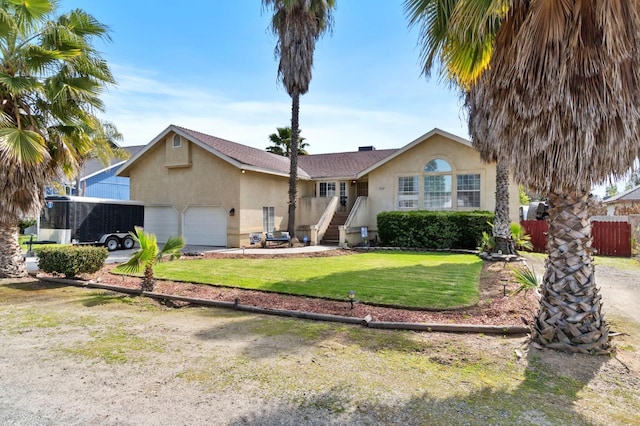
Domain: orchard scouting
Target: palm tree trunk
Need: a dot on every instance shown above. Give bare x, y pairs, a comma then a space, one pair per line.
293, 169
501, 227
148, 282
12, 264
569, 316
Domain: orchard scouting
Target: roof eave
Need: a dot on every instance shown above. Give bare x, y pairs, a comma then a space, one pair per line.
410, 145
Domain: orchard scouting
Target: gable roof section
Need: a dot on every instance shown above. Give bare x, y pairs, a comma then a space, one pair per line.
417, 141
93, 166
341, 165
238, 155
629, 195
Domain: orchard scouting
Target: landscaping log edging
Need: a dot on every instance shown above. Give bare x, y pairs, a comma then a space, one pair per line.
365, 322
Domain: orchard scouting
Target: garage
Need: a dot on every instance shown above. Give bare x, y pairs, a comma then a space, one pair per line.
161, 221
205, 226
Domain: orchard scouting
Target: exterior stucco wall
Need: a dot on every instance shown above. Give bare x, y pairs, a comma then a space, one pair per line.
310, 209
383, 181
258, 190
207, 181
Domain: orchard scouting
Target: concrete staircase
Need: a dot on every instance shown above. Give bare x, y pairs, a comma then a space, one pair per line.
332, 236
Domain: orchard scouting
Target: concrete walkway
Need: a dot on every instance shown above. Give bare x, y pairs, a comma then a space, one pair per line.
275, 250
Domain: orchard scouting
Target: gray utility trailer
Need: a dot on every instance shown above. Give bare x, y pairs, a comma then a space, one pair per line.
85, 220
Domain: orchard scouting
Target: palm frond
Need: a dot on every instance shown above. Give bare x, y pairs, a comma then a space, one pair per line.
527, 279
22, 148
171, 248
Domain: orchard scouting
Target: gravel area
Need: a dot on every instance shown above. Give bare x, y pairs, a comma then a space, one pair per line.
78, 356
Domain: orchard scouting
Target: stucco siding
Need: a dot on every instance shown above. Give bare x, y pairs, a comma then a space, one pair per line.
383, 181
205, 181
258, 190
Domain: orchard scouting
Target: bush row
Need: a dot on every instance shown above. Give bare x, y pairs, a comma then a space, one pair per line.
433, 230
71, 260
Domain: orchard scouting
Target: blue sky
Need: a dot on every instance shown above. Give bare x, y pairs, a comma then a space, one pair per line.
209, 65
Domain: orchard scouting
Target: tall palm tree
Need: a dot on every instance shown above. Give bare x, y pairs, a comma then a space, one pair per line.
462, 56
50, 82
298, 25
282, 142
558, 101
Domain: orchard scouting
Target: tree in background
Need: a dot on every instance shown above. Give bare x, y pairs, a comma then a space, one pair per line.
634, 178
51, 79
282, 142
523, 196
611, 190
299, 24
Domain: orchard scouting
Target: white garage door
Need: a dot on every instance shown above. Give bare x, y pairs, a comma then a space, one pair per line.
205, 226
162, 221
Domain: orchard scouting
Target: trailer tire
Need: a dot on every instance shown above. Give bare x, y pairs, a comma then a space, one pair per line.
112, 243
127, 243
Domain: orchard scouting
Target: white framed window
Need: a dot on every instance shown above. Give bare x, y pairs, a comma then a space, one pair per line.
177, 141
437, 185
327, 189
408, 192
268, 219
468, 190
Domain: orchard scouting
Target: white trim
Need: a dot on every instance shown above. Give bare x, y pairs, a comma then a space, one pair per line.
412, 144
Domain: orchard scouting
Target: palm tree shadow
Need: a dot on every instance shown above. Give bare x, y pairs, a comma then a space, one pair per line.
35, 285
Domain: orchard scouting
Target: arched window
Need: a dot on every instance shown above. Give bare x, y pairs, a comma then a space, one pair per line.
177, 141
437, 185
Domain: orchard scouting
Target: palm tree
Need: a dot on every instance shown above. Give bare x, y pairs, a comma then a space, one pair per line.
50, 82
282, 142
149, 254
462, 57
558, 102
298, 25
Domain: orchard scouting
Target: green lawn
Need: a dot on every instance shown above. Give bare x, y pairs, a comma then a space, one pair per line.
422, 280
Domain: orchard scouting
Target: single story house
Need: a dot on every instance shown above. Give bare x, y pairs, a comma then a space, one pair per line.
216, 192
625, 203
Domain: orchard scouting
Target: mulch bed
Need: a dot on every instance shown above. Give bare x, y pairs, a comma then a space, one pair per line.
493, 308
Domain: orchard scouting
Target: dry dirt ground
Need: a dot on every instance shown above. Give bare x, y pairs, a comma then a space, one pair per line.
80, 356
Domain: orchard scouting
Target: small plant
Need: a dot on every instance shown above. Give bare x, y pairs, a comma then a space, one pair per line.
521, 240
487, 242
527, 279
149, 254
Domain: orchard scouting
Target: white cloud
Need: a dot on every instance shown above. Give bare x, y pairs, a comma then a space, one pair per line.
142, 105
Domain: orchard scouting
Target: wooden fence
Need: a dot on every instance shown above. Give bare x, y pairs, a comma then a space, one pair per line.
609, 238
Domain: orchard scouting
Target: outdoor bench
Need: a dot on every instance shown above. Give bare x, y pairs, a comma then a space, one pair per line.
283, 238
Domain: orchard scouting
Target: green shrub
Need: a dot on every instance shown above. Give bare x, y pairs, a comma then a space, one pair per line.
433, 230
71, 260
